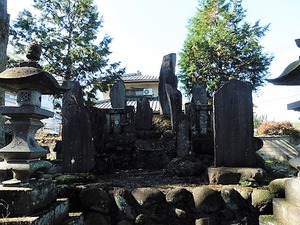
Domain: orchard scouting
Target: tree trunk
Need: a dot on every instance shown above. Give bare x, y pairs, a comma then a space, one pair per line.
4, 26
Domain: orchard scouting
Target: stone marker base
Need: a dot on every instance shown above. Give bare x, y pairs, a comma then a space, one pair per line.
235, 175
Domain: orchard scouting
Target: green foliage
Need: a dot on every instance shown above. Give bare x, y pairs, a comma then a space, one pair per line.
67, 32
274, 167
221, 46
248, 182
258, 120
276, 128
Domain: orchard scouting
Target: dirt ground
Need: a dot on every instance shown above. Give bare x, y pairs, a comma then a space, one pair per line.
131, 179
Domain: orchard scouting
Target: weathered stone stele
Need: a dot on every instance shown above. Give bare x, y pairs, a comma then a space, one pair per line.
144, 114
117, 95
182, 137
200, 99
174, 97
233, 125
78, 149
166, 76
199, 94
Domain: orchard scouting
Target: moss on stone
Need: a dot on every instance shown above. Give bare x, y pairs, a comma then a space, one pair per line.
277, 187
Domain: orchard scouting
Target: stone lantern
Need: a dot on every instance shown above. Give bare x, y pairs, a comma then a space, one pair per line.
24, 155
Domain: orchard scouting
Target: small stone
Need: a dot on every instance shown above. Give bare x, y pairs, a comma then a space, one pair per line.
180, 213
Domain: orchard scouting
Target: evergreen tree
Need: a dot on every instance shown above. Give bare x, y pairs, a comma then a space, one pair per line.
67, 31
221, 46
4, 27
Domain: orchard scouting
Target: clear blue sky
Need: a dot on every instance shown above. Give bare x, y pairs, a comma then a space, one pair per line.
143, 31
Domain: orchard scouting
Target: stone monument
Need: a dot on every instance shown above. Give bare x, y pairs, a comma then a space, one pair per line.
144, 115
233, 125
234, 144
174, 97
200, 100
166, 76
117, 95
77, 142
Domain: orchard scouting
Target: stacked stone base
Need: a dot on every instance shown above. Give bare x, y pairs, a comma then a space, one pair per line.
35, 203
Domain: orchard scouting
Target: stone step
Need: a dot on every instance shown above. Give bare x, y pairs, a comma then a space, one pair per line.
285, 212
74, 219
27, 199
292, 191
52, 215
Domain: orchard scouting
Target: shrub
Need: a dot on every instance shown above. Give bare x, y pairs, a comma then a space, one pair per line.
276, 128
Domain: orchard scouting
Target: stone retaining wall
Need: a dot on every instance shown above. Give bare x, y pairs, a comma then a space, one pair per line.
205, 204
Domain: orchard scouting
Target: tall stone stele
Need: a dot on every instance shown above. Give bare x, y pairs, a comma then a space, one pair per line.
166, 76
23, 155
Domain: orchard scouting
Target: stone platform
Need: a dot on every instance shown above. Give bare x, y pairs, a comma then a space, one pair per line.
54, 215
35, 203
28, 198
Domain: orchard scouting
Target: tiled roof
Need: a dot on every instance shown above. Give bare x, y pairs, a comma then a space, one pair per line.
154, 104
139, 78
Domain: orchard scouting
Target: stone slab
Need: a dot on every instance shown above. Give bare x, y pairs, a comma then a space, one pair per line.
285, 212
26, 200
292, 191
53, 215
233, 175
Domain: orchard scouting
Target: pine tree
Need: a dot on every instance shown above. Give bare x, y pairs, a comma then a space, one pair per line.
68, 34
221, 45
